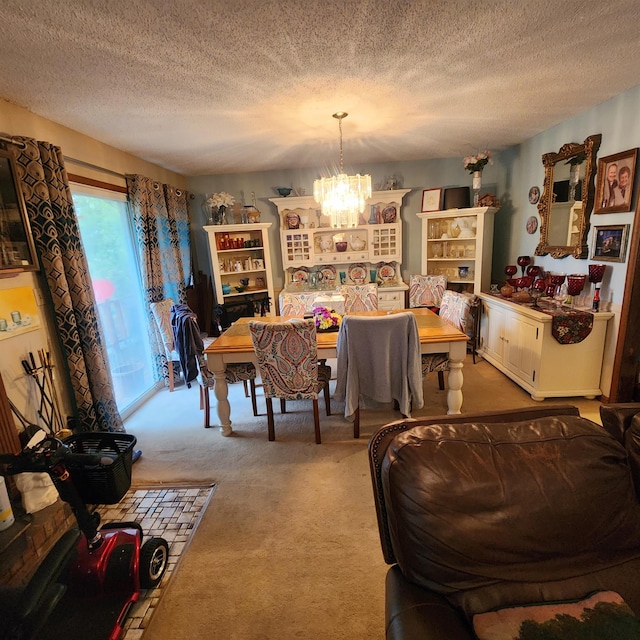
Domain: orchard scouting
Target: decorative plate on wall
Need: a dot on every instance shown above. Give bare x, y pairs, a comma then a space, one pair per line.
534, 195
357, 273
328, 274
389, 214
532, 224
300, 275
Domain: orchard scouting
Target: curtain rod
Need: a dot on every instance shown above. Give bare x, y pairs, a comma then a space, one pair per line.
5, 137
94, 166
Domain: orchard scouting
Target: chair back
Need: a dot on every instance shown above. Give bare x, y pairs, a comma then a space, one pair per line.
360, 297
379, 358
296, 305
456, 309
162, 315
426, 291
287, 355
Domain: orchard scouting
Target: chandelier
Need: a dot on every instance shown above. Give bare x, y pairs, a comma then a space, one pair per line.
342, 197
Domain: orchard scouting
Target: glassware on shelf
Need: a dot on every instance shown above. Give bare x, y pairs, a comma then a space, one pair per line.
534, 271
575, 284
523, 262
511, 270
596, 275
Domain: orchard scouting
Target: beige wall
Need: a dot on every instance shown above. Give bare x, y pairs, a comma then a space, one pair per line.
17, 121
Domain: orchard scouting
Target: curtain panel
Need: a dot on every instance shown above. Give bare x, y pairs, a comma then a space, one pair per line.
44, 182
162, 231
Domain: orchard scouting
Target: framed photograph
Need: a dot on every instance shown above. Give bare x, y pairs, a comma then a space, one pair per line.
17, 251
610, 242
431, 199
616, 176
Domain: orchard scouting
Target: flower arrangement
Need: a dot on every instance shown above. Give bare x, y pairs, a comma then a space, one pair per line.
222, 199
477, 162
326, 319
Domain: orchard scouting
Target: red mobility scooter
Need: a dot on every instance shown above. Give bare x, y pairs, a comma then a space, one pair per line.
87, 583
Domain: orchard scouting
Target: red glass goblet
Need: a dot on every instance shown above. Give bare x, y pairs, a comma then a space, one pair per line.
575, 284
534, 271
511, 270
596, 272
523, 262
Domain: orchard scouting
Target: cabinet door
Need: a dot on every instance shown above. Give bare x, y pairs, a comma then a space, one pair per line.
297, 248
385, 243
492, 322
521, 346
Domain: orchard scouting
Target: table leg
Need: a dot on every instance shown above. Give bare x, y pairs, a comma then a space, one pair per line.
457, 352
217, 367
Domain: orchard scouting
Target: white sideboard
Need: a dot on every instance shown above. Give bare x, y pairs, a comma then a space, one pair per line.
517, 340
459, 238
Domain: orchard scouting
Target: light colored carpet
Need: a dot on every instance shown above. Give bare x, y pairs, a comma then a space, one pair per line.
288, 547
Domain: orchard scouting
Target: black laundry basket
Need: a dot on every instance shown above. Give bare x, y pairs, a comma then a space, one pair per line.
102, 484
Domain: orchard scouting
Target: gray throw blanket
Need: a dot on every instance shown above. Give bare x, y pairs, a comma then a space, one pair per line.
379, 358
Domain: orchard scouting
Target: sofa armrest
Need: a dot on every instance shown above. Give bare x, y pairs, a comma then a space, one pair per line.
616, 418
413, 612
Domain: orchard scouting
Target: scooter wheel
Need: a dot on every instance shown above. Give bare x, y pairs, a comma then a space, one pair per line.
154, 557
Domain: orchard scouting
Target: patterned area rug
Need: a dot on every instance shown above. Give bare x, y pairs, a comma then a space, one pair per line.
171, 512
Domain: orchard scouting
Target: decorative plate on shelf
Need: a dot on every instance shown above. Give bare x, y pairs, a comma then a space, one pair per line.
358, 273
387, 272
328, 274
389, 214
300, 275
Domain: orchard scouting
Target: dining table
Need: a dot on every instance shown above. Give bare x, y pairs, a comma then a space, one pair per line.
235, 345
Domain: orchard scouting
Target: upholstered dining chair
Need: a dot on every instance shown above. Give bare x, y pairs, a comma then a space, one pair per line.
426, 291
459, 310
360, 297
287, 355
244, 372
378, 359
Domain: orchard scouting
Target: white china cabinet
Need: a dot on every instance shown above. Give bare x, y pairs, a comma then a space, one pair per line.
368, 252
458, 244
240, 254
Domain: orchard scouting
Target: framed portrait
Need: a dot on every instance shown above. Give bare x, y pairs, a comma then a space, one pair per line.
17, 251
431, 199
610, 242
616, 175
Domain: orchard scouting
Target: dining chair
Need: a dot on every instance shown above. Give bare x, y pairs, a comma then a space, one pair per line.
426, 291
378, 359
360, 297
287, 356
461, 311
162, 315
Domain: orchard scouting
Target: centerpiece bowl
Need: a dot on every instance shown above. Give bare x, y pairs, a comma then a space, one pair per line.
284, 191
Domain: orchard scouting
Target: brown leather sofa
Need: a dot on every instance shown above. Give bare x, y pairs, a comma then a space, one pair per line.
482, 511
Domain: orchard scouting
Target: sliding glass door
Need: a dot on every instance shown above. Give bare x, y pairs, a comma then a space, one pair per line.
107, 237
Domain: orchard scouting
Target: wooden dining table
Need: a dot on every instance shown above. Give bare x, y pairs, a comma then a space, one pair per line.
234, 345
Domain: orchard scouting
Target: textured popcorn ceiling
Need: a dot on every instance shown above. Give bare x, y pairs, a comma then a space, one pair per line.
202, 86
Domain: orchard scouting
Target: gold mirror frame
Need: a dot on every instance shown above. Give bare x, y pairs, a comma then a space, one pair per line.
579, 249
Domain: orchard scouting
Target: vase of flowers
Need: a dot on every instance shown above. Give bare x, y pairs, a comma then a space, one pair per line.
218, 204
326, 319
474, 165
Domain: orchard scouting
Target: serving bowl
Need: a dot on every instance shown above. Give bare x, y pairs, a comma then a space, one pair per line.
284, 191
341, 246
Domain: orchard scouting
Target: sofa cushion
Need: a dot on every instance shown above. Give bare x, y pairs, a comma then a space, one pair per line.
601, 615
473, 506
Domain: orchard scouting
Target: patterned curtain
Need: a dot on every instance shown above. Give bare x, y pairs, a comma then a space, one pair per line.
161, 226
43, 178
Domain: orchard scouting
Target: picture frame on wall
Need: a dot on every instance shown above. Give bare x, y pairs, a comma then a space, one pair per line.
610, 242
17, 251
431, 199
616, 176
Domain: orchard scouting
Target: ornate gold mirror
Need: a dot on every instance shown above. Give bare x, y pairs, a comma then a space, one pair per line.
567, 199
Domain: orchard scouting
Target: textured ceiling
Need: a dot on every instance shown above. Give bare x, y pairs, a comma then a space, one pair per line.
203, 86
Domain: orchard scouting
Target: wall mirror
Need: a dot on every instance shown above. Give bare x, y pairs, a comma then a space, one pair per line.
567, 199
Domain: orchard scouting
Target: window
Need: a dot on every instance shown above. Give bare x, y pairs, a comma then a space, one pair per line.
107, 237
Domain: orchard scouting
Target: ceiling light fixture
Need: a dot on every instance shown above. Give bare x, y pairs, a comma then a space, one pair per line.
342, 197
